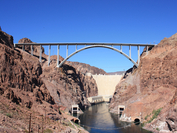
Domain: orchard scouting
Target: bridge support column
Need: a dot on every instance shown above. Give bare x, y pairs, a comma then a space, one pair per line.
40, 56
31, 49
75, 109
49, 55
66, 51
146, 50
129, 51
58, 55
23, 47
121, 48
121, 108
138, 54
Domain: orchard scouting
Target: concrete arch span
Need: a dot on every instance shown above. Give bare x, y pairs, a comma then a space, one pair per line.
93, 46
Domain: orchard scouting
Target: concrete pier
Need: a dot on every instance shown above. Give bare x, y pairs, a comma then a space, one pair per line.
75, 109
121, 108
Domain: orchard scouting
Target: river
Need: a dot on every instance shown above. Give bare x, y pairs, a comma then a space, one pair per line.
97, 119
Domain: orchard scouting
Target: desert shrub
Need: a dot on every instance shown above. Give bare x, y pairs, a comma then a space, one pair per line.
48, 131
155, 114
9, 115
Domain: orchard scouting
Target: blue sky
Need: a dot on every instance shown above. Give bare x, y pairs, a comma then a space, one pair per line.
117, 21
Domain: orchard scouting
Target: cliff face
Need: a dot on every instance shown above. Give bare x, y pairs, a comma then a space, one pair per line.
21, 90
151, 86
67, 85
30, 87
20, 72
86, 68
6, 39
36, 49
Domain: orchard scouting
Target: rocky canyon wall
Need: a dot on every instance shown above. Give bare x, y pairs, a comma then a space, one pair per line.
20, 72
29, 86
86, 68
151, 88
66, 85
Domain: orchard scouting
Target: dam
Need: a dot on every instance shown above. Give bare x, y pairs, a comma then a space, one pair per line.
106, 86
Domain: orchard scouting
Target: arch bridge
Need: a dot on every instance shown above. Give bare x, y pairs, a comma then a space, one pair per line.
87, 46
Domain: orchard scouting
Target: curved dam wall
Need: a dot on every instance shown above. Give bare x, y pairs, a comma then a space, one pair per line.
106, 84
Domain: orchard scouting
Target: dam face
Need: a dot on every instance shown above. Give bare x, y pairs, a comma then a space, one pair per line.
106, 84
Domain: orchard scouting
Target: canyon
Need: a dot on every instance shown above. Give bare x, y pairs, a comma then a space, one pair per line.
30, 87
149, 91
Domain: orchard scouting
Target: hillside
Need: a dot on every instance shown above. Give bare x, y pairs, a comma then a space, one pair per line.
86, 68
149, 92
30, 87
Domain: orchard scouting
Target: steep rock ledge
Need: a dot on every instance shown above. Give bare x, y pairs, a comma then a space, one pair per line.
20, 73
25, 89
86, 68
67, 85
151, 87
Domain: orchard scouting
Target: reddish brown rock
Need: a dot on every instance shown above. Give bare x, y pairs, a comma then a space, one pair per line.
86, 68
23, 89
151, 86
67, 85
6, 39
36, 49
20, 72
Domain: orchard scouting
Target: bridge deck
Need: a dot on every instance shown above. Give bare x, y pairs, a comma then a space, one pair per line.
87, 46
86, 43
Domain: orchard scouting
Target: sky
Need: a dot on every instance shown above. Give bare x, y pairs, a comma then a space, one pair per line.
107, 21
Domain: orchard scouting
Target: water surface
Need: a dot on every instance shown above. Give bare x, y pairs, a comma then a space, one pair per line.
97, 119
